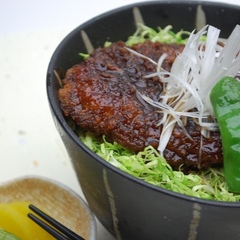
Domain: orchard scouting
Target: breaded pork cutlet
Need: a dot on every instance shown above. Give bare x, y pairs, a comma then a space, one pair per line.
102, 95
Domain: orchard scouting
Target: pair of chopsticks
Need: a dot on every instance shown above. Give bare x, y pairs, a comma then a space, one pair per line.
57, 230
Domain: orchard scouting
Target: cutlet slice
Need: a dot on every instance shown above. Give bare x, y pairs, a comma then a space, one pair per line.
102, 95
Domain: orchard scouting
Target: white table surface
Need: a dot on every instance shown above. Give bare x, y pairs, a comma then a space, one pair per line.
29, 33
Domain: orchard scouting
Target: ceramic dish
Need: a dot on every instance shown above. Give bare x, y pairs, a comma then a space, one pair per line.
56, 199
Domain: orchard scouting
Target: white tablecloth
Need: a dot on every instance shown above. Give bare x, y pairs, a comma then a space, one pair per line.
29, 33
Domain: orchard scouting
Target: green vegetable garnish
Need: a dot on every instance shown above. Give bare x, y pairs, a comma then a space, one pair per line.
7, 236
225, 98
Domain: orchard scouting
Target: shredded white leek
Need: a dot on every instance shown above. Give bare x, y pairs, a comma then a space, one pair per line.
193, 74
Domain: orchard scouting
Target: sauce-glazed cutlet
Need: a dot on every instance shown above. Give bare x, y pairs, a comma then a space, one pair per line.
101, 95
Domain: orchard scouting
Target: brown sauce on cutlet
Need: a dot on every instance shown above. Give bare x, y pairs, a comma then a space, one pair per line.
102, 95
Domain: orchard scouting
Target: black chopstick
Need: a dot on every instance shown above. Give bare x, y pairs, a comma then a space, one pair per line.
47, 228
63, 232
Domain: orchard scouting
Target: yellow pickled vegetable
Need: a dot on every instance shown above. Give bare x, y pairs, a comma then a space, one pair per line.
14, 219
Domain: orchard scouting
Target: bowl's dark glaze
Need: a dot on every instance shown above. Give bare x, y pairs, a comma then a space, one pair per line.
126, 206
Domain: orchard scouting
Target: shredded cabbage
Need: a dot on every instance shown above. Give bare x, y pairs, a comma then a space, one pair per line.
149, 165
164, 35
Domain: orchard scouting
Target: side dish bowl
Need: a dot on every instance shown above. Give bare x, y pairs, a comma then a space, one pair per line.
54, 198
128, 207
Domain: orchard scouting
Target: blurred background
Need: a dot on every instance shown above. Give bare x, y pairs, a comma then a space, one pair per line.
29, 33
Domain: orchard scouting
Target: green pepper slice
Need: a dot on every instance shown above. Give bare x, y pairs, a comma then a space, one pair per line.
225, 99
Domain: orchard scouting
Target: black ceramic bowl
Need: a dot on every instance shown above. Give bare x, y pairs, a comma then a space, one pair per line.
128, 207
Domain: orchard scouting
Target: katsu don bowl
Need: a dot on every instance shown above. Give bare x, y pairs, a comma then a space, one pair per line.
128, 206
